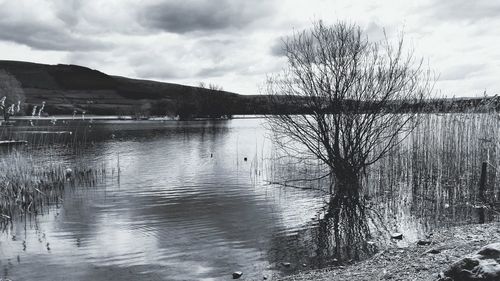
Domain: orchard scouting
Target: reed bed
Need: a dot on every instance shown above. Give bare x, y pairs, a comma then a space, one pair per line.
434, 173
34, 176
27, 186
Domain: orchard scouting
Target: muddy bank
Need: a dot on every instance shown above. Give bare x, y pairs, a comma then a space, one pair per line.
415, 262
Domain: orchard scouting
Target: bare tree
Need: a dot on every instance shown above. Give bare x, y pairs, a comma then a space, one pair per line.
11, 95
214, 88
347, 100
213, 101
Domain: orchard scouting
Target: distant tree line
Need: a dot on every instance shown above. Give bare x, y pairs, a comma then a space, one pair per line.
218, 105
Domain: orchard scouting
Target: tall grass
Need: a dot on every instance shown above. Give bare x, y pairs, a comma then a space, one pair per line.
432, 176
35, 176
435, 172
26, 185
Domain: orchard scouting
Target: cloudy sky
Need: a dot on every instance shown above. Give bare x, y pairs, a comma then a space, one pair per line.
236, 43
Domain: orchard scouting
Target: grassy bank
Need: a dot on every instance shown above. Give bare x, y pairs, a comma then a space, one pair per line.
414, 262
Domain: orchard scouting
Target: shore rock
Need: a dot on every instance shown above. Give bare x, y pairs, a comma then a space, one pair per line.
484, 265
397, 236
424, 242
237, 274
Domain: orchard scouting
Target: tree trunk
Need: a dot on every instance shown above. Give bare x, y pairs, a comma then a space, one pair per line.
345, 181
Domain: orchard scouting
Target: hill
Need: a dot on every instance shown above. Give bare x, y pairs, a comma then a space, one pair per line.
69, 88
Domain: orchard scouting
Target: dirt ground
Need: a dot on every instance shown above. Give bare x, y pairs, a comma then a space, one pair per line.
415, 262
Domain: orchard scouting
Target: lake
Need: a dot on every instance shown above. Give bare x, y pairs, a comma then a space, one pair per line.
182, 200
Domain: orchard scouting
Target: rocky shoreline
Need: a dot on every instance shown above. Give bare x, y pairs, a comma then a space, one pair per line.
417, 262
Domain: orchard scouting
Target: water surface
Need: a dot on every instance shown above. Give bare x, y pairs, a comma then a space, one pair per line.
185, 206
191, 201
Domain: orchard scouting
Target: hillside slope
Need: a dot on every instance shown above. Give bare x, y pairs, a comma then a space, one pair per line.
66, 88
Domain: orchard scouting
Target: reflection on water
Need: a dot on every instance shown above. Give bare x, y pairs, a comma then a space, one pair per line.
182, 203
187, 206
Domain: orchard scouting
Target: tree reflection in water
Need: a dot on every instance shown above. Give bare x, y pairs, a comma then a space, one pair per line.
341, 234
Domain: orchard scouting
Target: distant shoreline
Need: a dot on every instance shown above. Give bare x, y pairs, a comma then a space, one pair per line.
125, 118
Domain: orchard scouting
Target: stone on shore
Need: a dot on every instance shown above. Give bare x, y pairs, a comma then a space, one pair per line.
397, 235
424, 242
237, 274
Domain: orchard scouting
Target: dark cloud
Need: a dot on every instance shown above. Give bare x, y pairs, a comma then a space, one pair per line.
44, 32
45, 37
180, 16
463, 10
68, 11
